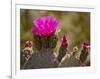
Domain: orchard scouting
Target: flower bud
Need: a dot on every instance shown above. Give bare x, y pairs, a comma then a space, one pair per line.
64, 42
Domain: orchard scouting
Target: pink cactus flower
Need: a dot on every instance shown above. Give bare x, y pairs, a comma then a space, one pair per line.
86, 45
64, 42
45, 26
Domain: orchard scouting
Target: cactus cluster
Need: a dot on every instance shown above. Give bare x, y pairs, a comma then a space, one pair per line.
44, 41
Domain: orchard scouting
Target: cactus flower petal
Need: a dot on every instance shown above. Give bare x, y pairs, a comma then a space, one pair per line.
45, 26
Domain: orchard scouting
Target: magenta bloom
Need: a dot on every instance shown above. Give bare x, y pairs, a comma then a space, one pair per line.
45, 26
64, 42
86, 45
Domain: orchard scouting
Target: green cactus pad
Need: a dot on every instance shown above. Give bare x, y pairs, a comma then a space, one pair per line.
70, 62
43, 59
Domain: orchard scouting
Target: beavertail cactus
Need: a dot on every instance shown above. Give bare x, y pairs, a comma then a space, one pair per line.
63, 49
27, 52
84, 51
71, 60
45, 40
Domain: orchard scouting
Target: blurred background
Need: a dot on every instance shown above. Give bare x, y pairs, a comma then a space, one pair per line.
76, 25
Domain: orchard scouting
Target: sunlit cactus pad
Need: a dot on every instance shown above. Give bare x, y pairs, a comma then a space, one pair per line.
43, 59
70, 62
